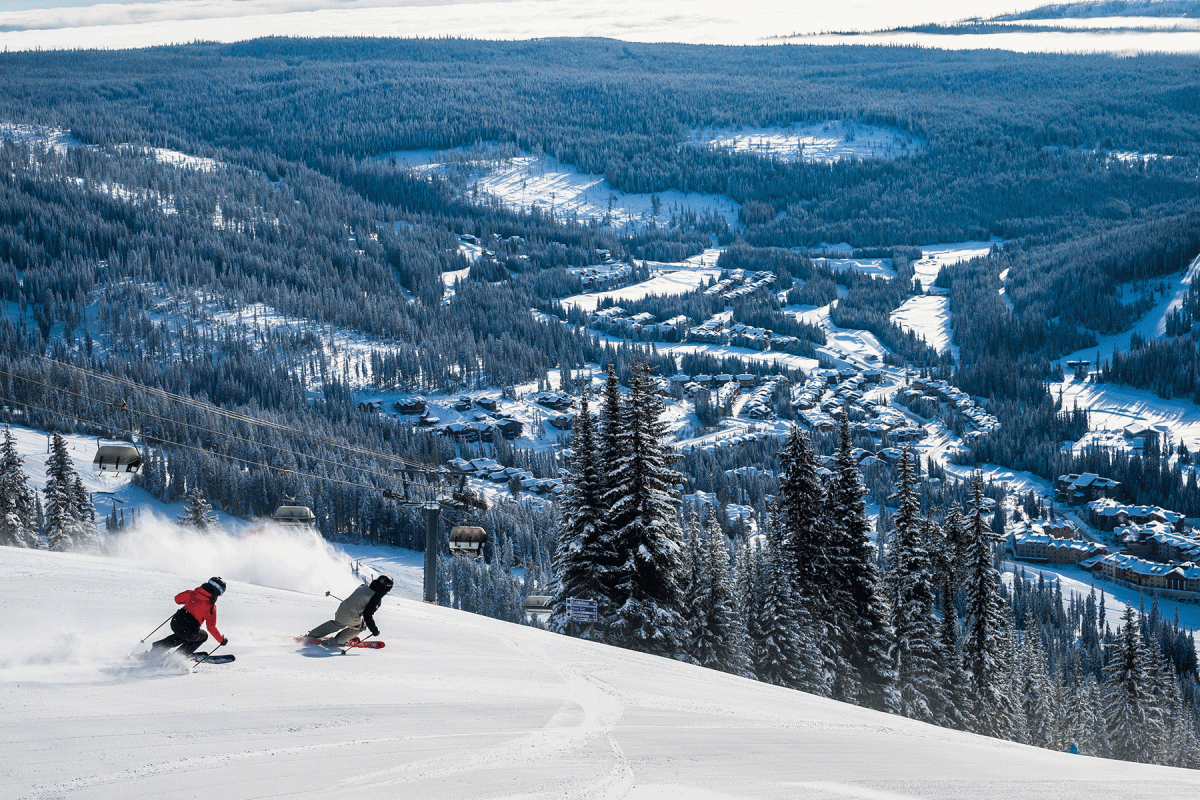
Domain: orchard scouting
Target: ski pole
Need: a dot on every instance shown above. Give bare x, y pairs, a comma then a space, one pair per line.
208, 655
151, 633
356, 644
327, 594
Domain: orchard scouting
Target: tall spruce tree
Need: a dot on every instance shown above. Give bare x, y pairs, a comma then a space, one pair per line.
805, 533
65, 514
984, 644
18, 501
1129, 711
786, 654
718, 627
584, 558
198, 512
643, 501
862, 623
917, 675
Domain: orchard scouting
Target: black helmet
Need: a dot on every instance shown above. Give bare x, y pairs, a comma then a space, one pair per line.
215, 586
382, 584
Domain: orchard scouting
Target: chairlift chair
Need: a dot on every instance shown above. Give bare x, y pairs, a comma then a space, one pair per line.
294, 515
538, 604
467, 539
122, 457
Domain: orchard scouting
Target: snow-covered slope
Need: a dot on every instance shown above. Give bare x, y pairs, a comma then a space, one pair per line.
456, 706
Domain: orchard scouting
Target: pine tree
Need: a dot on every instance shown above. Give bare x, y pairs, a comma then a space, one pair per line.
1128, 704
862, 625
198, 513
804, 533
749, 582
719, 633
786, 654
86, 536
65, 520
915, 650
984, 644
645, 533
18, 513
584, 558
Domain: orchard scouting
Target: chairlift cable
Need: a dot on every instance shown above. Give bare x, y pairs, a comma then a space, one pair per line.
213, 409
299, 456
310, 475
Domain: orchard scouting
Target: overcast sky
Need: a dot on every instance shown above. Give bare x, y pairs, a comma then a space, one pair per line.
25, 24
54, 24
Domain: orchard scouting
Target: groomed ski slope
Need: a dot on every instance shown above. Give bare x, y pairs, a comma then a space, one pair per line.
456, 706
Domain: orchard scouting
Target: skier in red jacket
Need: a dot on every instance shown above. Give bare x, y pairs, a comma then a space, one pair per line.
199, 606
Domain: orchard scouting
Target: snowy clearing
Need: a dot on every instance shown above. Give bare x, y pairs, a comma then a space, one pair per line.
813, 142
455, 706
936, 256
525, 182
667, 278
1153, 325
1111, 408
875, 267
928, 316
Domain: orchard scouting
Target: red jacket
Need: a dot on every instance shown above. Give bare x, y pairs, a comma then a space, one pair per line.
200, 603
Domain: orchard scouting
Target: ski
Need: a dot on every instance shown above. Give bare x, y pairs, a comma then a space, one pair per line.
373, 644
205, 658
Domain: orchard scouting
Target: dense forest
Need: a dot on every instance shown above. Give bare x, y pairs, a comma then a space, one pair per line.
223, 269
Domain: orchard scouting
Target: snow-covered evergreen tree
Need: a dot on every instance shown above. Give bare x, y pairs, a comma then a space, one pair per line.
198, 512
67, 504
584, 557
642, 501
786, 654
915, 651
1128, 704
18, 502
984, 644
749, 582
863, 612
718, 628
87, 536
1036, 695
800, 506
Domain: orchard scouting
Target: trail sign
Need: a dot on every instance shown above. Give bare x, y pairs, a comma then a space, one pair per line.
582, 610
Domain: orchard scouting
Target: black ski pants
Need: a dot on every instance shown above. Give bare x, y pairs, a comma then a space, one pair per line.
185, 634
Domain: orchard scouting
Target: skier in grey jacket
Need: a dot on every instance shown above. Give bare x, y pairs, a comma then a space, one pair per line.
355, 613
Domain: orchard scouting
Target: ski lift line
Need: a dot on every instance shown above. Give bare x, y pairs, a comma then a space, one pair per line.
208, 407
201, 428
212, 409
325, 478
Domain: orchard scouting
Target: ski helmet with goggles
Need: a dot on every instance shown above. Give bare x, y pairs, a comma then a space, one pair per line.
382, 584
215, 586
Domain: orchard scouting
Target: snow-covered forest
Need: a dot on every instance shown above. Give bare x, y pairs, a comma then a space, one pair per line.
214, 253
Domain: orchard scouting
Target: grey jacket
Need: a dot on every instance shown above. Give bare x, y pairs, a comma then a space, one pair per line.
358, 608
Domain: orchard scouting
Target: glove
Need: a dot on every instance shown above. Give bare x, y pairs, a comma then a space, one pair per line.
374, 631
225, 641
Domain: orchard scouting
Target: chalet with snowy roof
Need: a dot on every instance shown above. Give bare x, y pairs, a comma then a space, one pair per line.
1080, 489
459, 466
409, 405
1147, 434
1171, 580
561, 421
1107, 515
1031, 543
